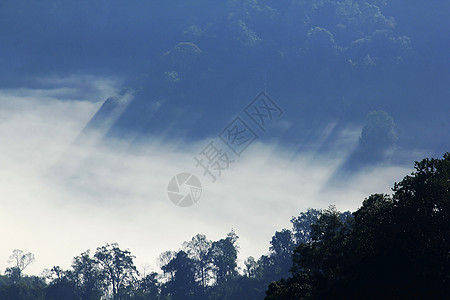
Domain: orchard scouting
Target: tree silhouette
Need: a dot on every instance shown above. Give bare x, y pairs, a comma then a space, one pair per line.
394, 247
183, 284
116, 266
21, 261
87, 277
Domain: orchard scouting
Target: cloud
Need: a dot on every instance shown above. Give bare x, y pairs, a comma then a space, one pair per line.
59, 198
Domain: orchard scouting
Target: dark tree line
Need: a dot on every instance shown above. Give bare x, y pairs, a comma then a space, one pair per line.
395, 247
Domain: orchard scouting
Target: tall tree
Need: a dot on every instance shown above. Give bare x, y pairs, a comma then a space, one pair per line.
148, 287
198, 249
117, 267
301, 225
222, 256
87, 277
61, 285
421, 222
21, 261
281, 247
183, 284
163, 260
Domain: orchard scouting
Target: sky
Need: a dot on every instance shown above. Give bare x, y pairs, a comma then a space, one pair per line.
61, 198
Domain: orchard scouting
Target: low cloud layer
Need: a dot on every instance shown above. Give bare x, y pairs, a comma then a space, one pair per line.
59, 198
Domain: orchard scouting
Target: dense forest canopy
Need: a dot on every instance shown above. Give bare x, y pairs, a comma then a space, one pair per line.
327, 60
